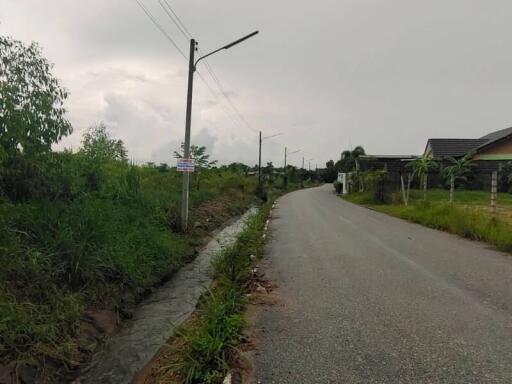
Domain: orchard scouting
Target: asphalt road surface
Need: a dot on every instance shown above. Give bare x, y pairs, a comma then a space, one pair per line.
367, 298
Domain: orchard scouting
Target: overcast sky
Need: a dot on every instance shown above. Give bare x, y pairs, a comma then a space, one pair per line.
327, 74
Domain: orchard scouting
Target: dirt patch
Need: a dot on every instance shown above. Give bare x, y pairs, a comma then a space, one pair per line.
213, 213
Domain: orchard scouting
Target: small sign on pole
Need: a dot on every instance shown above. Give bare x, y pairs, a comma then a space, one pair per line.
185, 165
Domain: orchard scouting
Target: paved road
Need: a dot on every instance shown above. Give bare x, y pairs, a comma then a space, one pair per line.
367, 298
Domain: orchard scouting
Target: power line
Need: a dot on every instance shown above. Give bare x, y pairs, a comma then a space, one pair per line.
178, 19
229, 115
178, 25
159, 26
225, 94
186, 33
169, 38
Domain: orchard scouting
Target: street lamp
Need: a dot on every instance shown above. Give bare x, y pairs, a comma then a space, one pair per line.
309, 161
285, 157
186, 150
260, 185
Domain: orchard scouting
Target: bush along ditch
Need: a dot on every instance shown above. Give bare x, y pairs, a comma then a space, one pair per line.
207, 346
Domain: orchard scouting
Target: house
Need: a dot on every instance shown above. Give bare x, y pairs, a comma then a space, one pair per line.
489, 153
496, 146
389, 163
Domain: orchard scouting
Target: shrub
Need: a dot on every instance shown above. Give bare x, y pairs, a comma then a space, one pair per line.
338, 187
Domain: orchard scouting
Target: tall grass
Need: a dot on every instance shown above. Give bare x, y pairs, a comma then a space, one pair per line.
463, 219
212, 341
91, 242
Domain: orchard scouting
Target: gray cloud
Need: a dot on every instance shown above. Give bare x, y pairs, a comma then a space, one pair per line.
329, 74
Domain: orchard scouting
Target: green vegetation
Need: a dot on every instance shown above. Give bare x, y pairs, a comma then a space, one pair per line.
201, 160
467, 217
421, 168
32, 113
458, 172
87, 230
349, 162
349, 159
211, 341
61, 255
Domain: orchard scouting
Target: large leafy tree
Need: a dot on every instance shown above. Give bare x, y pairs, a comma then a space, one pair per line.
331, 174
421, 167
458, 170
32, 113
99, 145
201, 160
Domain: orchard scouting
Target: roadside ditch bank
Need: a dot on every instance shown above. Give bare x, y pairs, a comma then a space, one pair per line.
211, 342
155, 319
73, 270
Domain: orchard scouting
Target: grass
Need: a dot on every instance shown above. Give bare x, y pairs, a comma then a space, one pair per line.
210, 342
78, 235
467, 217
94, 249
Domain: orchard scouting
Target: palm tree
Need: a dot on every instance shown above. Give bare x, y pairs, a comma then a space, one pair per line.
458, 170
420, 167
352, 157
349, 159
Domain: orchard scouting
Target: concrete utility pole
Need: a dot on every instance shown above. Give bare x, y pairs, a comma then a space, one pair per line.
260, 186
285, 173
302, 162
260, 176
186, 150
494, 191
452, 187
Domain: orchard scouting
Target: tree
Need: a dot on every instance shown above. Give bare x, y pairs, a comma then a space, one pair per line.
201, 160
505, 177
32, 113
458, 171
331, 174
163, 167
421, 167
269, 172
349, 160
98, 145
238, 167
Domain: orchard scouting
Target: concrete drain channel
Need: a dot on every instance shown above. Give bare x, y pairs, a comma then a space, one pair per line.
156, 318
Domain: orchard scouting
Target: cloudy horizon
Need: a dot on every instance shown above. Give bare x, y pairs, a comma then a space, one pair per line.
327, 75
